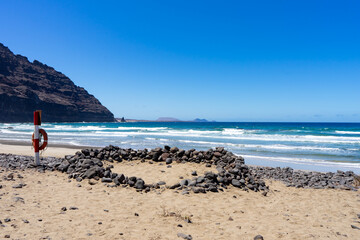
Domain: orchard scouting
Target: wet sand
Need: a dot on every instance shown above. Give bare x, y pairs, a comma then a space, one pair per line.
25, 148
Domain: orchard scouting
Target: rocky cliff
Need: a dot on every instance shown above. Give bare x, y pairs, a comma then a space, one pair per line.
27, 86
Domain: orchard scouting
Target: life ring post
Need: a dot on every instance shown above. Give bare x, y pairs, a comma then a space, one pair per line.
37, 123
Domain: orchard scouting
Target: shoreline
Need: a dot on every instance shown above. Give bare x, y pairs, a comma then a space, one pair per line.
26, 149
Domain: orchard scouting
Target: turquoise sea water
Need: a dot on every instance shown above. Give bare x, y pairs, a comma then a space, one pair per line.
315, 145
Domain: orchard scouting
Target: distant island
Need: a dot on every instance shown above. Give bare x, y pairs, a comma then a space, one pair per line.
28, 86
161, 119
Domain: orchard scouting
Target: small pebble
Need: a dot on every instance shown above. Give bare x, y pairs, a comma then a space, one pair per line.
258, 237
185, 236
355, 227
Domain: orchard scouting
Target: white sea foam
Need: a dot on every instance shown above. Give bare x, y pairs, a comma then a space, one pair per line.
99, 132
322, 163
234, 131
271, 147
143, 128
347, 132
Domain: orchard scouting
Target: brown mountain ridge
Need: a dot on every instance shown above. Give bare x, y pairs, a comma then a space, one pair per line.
27, 86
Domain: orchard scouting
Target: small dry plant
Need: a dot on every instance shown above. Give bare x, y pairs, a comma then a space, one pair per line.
177, 214
357, 181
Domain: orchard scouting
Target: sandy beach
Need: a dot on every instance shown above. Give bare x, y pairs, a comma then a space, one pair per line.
35, 210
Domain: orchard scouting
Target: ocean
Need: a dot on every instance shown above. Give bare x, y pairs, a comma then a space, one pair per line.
311, 146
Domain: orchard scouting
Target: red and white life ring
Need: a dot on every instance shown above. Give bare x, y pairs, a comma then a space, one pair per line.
45, 139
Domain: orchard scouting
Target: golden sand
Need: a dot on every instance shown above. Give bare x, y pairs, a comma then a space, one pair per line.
124, 213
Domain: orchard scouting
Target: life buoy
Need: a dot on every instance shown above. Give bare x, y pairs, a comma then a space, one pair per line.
45, 137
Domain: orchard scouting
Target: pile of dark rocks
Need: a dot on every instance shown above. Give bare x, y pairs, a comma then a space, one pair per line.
219, 156
88, 164
231, 169
12, 162
307, 179
236, 174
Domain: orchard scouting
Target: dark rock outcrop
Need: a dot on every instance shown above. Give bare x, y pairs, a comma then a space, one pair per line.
28, 86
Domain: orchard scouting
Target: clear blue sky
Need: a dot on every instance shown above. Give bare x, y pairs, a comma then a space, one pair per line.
220, 60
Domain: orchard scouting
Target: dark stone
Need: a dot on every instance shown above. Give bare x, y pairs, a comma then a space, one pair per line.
185, 236
169, 160
164, 156
176, 185
174, 149
63, 209
184, 182
90, 173
217, 154
236, 183
106, 180
139, 184
116, 181
73, 208
131, 183
258, 237
121, 178
200, 179
194, 173
213, 189
64, 166
355, 227
210, 175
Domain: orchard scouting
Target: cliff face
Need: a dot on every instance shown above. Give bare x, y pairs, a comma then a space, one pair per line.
28, 86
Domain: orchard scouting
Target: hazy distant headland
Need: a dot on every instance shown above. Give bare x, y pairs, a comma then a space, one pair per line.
161, 119
27, 86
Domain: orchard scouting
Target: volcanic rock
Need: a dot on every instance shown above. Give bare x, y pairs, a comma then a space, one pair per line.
27, 86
